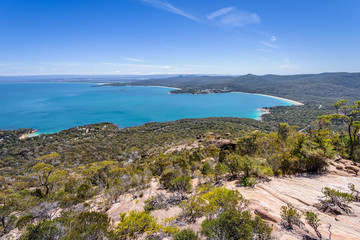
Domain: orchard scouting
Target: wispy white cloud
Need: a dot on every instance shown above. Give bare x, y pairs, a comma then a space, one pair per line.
164, 5
268, 44
286, 64
133, 59
232, 17
220, 12
227, 17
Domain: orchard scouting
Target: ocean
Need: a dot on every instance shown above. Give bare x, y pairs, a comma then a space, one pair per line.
52, 107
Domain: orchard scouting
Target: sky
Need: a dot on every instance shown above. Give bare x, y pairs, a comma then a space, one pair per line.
221, 37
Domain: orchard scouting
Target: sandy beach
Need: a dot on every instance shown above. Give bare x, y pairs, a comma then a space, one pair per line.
289, 100
264, 111
285, 99
28, 134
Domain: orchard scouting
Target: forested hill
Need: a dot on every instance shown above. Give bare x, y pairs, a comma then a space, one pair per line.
324, 87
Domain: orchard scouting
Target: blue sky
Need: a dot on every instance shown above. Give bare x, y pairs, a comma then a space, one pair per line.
178, 36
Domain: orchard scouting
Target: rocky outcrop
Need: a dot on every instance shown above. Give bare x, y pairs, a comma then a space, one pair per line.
266, 199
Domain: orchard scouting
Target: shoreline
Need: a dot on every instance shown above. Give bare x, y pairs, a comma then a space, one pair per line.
259, 116
27, 135
263, 111
281, 98
105, 83
266, 95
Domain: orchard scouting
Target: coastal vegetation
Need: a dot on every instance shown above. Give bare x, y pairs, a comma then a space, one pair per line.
305, 88
316, 91
60, 186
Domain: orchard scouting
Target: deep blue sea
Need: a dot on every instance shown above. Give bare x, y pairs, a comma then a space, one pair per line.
52, 107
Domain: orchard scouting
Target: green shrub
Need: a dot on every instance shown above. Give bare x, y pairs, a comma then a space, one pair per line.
181, 184
83, 191
211, 203
335, 196
175, 182
186, 234
248, 145
167, 178
24, 220
283, 131
290, 217
233, 164
45, 230
354, 192
313, 220
206, 169
335, 202
220, 169
135, 224
89, 225
193, 208
248, 181
149, 204
232, 225
313, 159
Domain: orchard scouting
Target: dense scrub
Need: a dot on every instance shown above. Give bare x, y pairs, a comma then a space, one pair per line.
59, 186
105, 141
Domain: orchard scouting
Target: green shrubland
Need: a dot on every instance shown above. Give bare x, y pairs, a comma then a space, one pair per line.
68, 172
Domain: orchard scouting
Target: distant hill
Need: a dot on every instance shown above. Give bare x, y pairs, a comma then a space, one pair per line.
324, 87
306, 88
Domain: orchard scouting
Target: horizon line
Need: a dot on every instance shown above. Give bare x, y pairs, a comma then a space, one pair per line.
173, 74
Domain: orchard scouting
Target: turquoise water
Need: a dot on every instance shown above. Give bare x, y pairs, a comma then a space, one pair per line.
52, 107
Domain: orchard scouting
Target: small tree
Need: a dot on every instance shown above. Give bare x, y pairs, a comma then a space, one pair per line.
98, 172
51, 158
247, 165
355, 193
219, 171
290, 217
248, 145
314, 222
349, 115
233, 164
283, 131
42, 175
193, 208
335, 202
